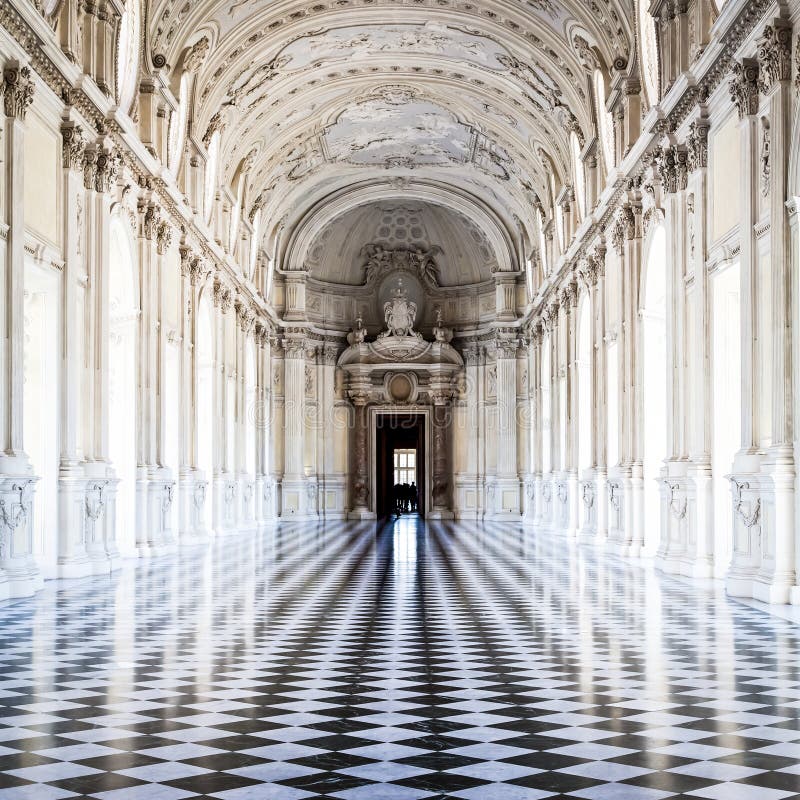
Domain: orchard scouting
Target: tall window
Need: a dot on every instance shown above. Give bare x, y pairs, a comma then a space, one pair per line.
236, 216
542, 242
577, 171
405, 466
648, 53
128, 55
605, 124
211, 176
177, 126
254, 243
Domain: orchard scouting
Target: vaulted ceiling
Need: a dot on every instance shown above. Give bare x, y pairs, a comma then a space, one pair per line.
334, 105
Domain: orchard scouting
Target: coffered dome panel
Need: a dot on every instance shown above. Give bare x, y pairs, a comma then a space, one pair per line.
459, 249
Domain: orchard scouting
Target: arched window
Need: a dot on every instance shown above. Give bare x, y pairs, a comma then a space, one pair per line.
542, 242
210, 189
648, 53
605, 124
236, 216
128, 55
177, 126
577, 171
254, 243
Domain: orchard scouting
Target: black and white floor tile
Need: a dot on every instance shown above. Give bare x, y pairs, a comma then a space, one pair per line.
401, 663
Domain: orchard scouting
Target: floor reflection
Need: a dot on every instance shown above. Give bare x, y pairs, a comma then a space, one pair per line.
408, 660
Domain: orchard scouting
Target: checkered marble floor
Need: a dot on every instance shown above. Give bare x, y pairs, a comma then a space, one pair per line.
412, 661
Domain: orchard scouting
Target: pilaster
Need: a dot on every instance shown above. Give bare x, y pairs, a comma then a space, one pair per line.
19, 574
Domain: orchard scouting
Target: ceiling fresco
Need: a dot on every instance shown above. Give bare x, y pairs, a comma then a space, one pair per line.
451, 97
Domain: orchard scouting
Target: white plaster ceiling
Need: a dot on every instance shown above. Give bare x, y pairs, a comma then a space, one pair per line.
332, 97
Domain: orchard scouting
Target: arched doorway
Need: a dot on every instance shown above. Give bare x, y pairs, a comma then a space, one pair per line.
654, 381
122, 384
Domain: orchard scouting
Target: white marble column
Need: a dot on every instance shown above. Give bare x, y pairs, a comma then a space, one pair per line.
333, 490
537, 404
745, 480
570, 464
526, 410
777, 577
294, 492
507, 484
19, 574
702, 561
467, 490
100, 504
221, 301
73, 560
192, 484
600, 383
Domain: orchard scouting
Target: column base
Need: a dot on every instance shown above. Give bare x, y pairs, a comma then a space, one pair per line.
503, 499
21, 576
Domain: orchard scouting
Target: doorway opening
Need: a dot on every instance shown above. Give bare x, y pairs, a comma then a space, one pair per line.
400, 461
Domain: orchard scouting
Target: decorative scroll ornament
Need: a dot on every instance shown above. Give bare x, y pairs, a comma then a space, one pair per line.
166, 498
764, 159
749, 512
585, 54
775, 55
15, 513
17, 91
380, 260
744, 87
400, 314
218, 123
199, 497
677, 505
197, 54
587, 492
95, 502
615, 495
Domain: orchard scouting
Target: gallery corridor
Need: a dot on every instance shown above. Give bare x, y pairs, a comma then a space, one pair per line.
418, 661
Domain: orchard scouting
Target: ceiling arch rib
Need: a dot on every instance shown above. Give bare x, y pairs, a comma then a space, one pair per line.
305, 230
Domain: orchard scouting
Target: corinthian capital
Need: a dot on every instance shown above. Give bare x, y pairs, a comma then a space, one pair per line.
775, 54
17, 90
73, 144
151, 220
107, 166
744, 87
163, 237
697, 144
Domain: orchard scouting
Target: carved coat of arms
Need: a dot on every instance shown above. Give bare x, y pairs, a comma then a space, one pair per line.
400, 313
